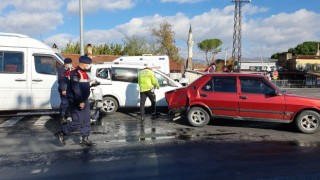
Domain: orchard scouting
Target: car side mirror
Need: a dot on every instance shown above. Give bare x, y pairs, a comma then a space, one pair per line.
275, 93
165, 83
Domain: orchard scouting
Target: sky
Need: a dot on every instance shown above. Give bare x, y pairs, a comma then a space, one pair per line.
268, 26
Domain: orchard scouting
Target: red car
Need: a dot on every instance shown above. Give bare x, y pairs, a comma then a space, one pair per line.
243, 97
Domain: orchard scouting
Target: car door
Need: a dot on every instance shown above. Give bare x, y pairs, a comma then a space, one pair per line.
220, 95
44, 86
165, 84
125, 86
14, 82
257, 100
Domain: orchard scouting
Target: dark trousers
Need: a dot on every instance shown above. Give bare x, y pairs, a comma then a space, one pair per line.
143, 98
80, 119
64, 109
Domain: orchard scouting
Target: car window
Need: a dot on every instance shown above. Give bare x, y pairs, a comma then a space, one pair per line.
125, 75
103, 73
163, 81
11, 62
46, 65
255, 86
221, 84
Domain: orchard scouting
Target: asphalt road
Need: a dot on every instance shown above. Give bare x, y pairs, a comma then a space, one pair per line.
162, 148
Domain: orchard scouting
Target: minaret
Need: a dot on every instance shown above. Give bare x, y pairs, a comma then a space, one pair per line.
190, 47
318, 50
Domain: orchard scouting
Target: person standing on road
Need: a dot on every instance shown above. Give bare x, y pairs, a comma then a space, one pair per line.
147, 82
78, 93
211, 68
63, 79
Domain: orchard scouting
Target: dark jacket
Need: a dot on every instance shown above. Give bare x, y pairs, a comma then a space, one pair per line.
62, 79
79, 87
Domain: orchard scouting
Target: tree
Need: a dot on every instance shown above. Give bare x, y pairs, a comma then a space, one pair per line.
71, 48
211, 47
305, 48
136, 46
276, 55
166, 42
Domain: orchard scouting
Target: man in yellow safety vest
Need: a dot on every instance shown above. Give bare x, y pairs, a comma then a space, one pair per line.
147, 82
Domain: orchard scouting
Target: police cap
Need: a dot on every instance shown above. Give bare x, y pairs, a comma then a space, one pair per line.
67, 61
85, 60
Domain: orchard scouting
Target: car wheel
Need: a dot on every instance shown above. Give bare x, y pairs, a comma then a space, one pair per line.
308, 122
109, 105
198, 117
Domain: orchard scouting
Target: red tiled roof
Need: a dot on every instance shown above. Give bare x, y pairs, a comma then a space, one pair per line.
307, 57
174, 66
109, 58
95, 59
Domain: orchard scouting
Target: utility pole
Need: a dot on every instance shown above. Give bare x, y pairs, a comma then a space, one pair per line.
236, 49
81, 28
226, 56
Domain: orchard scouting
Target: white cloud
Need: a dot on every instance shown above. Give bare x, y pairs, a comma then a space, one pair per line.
280, 32
103, 36
60, 40
96, 5
30, 23
30, 17
260, 35
32, 5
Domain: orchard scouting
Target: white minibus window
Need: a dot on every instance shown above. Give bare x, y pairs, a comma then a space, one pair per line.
11, 62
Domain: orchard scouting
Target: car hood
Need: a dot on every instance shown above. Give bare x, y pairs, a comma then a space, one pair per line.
295, 98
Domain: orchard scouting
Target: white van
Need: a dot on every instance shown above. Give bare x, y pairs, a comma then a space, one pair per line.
160, 63
119, 85
28, 74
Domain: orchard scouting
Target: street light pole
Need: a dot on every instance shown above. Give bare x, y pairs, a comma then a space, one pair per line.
226, 56
81, 28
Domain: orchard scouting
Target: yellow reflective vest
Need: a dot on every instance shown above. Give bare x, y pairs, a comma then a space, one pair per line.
147, 80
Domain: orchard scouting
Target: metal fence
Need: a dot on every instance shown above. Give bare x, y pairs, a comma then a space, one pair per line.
290, 83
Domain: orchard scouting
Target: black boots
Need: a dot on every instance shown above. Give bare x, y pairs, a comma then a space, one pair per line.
86, 142
155, 114
60, 136
83, 142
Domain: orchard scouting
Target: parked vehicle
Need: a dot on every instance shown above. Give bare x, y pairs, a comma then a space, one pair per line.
243, 97
119, 85
160, 63
28, 73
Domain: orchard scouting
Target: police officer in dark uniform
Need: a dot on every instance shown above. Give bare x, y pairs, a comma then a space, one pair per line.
63, 79
78, 92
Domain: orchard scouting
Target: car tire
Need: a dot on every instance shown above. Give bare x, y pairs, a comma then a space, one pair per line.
308, 121
198, 117
109, 105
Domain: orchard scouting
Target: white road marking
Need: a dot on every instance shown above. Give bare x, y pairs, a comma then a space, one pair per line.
10, 122
42, 120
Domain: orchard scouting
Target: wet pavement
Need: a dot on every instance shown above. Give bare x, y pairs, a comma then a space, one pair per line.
162, 148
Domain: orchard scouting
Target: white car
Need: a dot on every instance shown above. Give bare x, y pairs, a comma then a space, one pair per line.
119, 85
